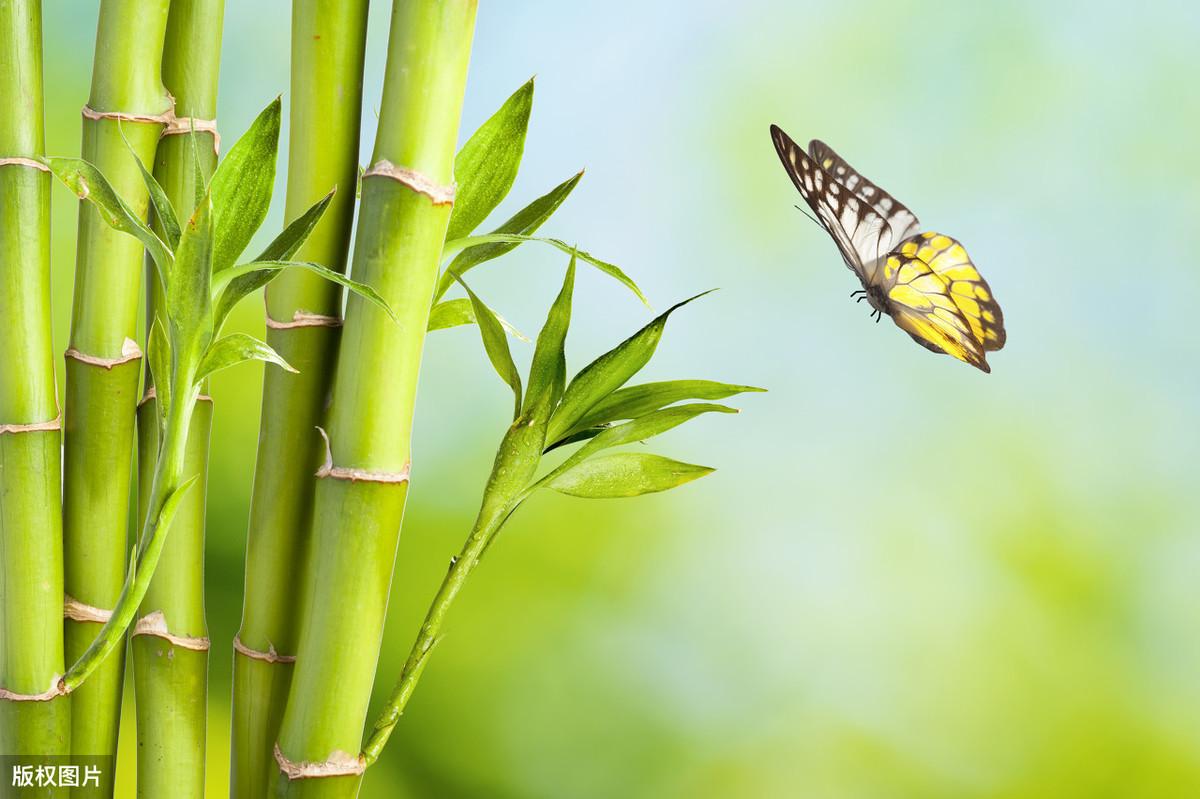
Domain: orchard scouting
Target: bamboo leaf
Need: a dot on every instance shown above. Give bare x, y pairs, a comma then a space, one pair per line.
282, 248
612, 270
241, 187
487, 165
89, 184
624, 474
158, 354
238, 348
224, 281
524, 222
455, 313
635, 401
548, 371
607, 373
641, 429
189, 301
495, 344
163, 211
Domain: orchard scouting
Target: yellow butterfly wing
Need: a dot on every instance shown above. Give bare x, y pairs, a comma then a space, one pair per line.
936, 295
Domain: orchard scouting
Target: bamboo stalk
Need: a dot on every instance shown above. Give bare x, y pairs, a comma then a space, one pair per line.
406, 200
128, 103
303, 311
31, 578
169, 645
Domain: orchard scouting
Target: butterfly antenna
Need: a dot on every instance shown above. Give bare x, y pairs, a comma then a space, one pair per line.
810, 216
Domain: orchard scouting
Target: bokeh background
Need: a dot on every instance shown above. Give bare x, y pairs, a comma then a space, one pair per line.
907, 578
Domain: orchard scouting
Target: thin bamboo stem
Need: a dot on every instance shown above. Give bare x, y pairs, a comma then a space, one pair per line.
128, 103
360, 497
31, 578
328, 48
169, 645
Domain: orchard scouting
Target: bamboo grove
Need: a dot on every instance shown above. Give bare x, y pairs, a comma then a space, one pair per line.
168, 205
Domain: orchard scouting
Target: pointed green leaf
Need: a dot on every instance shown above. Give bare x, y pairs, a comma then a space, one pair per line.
646, 427
234, 349
89, 184
223, 282
496, 345
455, 313
163, 211
282, 248
607, 373
635, 401
612, 270
158, 354
146, 554
189, 302
200, 184
487, 164
624, 474
524, 222
547, 372
241, 187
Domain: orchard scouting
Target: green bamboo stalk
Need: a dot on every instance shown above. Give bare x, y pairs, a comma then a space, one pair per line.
31, 578
303, 312
169, 645
361, 490
128, 103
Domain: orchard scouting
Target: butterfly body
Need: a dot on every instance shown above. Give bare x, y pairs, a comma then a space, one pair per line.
924, 281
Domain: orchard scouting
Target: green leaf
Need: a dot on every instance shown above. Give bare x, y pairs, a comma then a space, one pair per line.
89, 184
224, 281
455, 313
487, 164
189, 302
607, 373
634, 401
147, 552
158, 354
241, 188
548, 371
641, 429
624, 474
237, 348
524, 222
496, 345
612, 270
282, 248
163, 210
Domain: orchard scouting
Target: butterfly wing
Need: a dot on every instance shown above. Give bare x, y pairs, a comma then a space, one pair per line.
937, 296
901, 222
856, 227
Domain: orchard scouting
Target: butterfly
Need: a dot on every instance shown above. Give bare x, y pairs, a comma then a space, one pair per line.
924, 281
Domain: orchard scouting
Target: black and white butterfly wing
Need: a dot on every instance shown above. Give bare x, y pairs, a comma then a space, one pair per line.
901, 222
858, 229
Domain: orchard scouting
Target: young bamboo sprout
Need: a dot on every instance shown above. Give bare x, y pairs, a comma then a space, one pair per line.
128, 109
169, 643
303, 323
549, 416
31, 578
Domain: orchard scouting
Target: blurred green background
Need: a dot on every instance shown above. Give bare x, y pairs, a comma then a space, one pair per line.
907, 578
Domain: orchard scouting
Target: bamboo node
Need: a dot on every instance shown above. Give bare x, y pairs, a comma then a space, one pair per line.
156, 624
125, 116
33, 427
57, 689
304, 319
75, 610
417, 181
19, 160
356, 475
338, 764
180, 125
151, 394
129, 352
270, 656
